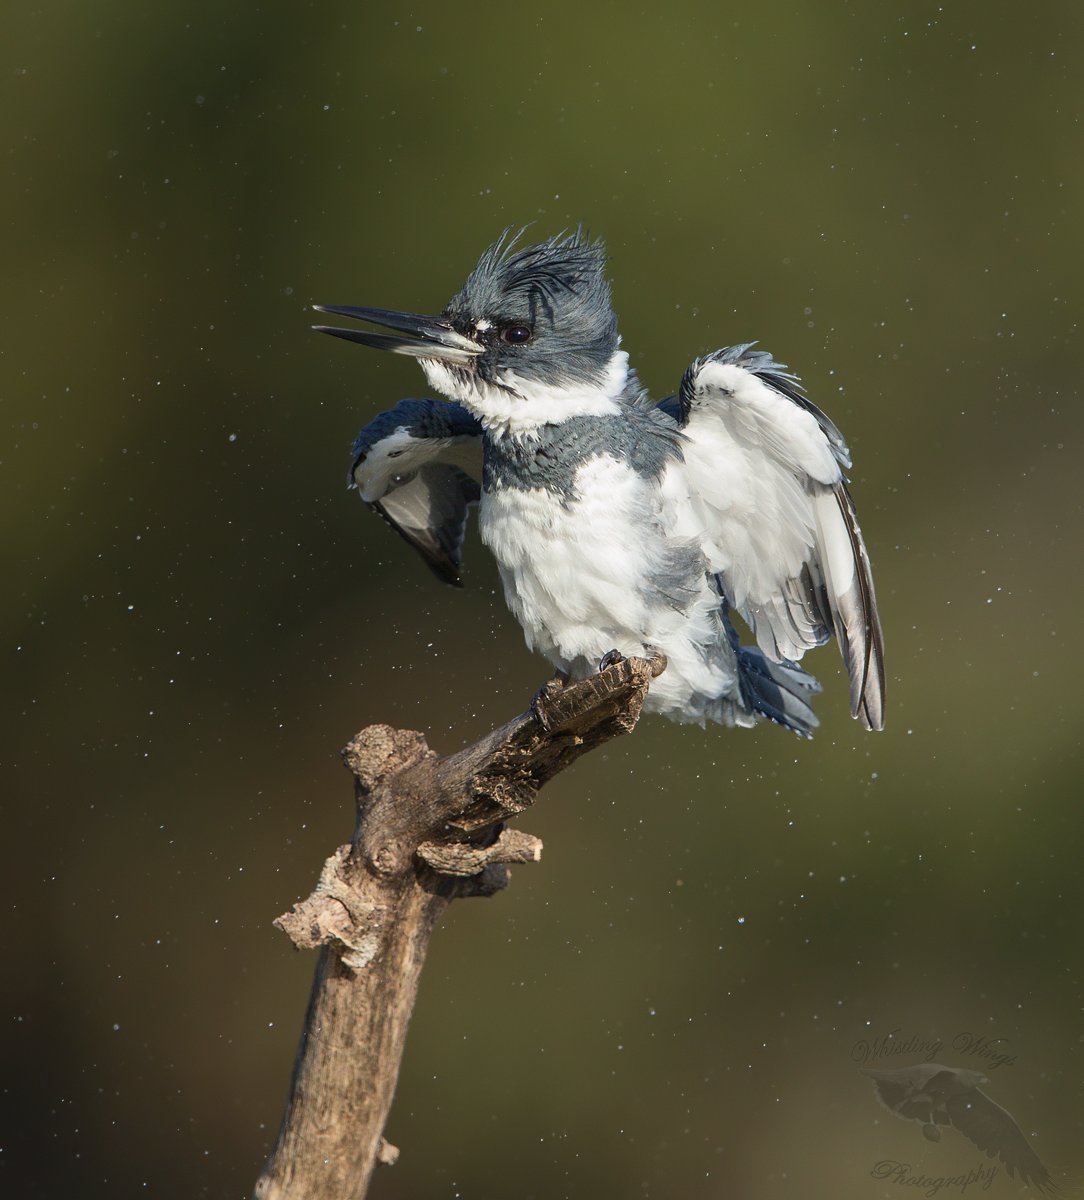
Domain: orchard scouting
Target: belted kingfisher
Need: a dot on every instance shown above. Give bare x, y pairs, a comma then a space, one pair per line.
620, 525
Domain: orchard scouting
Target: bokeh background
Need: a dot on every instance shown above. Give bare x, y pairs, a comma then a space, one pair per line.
196, 614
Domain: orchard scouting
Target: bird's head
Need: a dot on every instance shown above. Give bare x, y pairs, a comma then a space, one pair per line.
529, 339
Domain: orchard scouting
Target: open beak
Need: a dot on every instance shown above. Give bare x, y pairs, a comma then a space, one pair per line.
427, 337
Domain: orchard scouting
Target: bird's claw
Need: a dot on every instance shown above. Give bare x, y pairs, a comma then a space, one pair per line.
655, 658
548, 690
557, 683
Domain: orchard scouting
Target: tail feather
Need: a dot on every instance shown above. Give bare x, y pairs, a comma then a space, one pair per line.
780, 691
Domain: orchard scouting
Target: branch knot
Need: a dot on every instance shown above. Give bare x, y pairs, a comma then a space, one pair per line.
336, 914
463, 859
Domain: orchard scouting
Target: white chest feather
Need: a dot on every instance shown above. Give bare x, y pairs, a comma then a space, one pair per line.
593, 572
573, 566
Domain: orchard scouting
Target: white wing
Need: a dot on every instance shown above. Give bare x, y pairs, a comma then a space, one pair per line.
765, 466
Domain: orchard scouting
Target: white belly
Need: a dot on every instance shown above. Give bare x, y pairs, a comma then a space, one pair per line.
577, 576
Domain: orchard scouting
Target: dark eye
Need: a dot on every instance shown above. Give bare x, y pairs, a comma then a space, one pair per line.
516, 334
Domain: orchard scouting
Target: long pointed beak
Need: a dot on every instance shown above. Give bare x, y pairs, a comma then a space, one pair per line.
430, 337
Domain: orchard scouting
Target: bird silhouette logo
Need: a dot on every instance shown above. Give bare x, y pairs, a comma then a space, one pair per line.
936, 1095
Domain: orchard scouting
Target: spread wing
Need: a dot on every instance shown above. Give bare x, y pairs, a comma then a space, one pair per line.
766, 466
994, 1131
417, 466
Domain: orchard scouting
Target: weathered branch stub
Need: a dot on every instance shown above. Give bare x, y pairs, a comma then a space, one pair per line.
429, 829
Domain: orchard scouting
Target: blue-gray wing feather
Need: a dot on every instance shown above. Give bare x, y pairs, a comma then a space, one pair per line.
417, 466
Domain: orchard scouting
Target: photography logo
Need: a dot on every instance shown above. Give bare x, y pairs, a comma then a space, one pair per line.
938, 1097
894, 1044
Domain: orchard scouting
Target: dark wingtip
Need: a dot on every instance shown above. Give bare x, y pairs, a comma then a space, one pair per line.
444, 571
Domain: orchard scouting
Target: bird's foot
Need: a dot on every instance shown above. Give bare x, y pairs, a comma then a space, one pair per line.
549, 689
654, 656
556, 683
931, 1133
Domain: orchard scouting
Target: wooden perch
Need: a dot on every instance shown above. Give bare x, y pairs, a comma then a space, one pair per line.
429, 829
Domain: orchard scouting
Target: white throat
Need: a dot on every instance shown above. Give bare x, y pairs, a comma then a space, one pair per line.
519, 408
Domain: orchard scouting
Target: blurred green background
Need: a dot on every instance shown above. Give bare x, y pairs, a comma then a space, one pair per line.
197, 614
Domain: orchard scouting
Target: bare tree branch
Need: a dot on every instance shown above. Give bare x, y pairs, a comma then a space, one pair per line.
429, 829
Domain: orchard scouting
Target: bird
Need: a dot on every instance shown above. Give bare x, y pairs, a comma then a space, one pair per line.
937, 1095
623, 527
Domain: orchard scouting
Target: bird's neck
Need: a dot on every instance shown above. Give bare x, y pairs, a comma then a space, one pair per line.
513, 407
